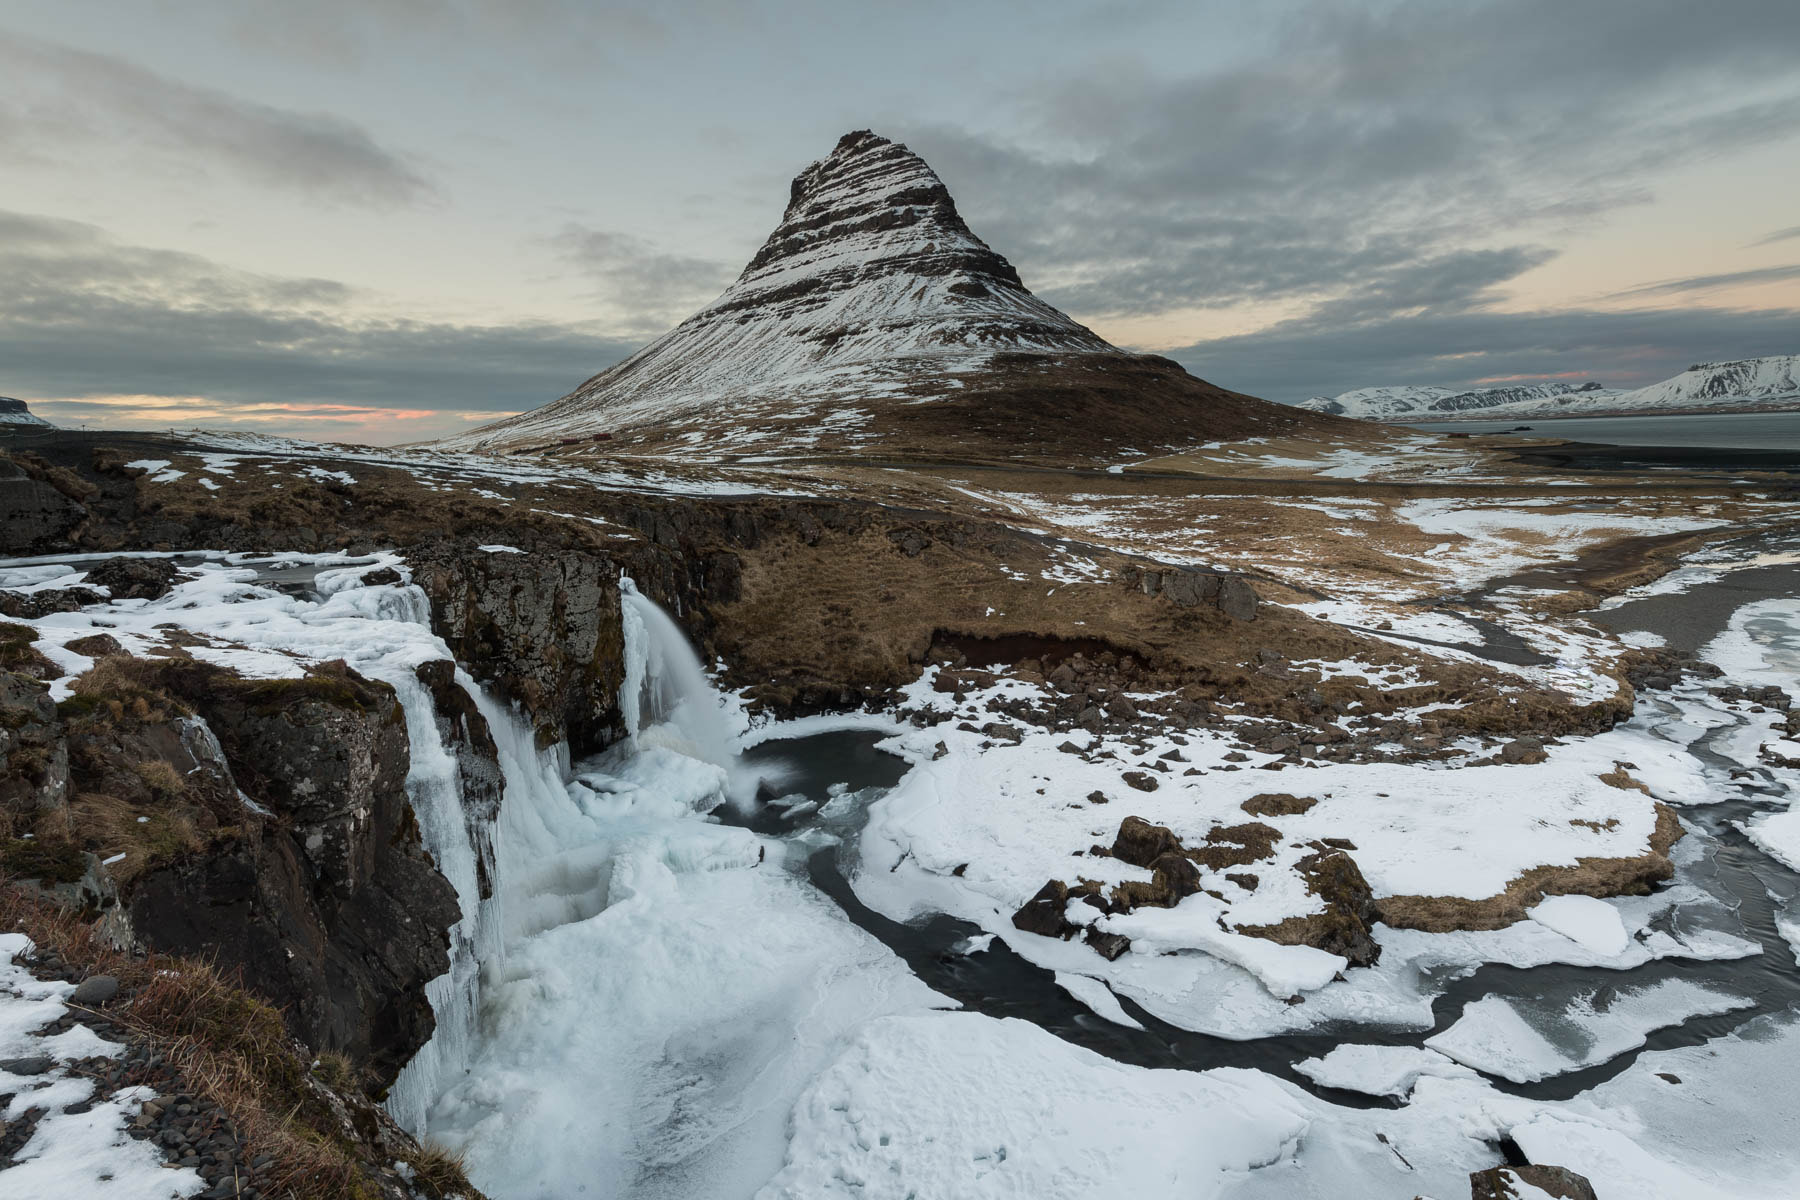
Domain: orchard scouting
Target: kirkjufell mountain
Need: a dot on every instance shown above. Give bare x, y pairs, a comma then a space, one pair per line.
873, 320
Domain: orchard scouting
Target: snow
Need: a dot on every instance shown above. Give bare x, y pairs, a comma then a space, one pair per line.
1496, 538
1194, 924
1593, 923
70, 1153
1778, 835
497, 549
1725, 1131
1379, 1070
1524, 1040
954, 1104
1096, 995
1761, 646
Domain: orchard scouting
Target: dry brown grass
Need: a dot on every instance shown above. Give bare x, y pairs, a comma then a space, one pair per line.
439, 1170
148, 838
18, 654
233, 1049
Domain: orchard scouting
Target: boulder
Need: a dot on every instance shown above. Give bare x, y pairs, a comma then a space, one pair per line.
1237, 599
1277, 804
134, 578
1188, 589
1107, 945
1524, 750
1140, 843
1044, 913
1530, 1179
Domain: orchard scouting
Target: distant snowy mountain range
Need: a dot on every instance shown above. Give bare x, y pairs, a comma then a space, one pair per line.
14, 412
1747, 385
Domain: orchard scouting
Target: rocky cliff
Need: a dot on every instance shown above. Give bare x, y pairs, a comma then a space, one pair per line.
262, 824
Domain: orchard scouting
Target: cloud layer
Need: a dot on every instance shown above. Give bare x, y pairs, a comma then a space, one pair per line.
86, 316
59, 102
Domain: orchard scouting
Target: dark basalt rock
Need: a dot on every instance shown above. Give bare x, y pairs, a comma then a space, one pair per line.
34, 759
33, 511
1503, 1183
1107, 945
134, 578
542, 628
1350, 911
1044, 913
482, 783
328, 905
1140, 843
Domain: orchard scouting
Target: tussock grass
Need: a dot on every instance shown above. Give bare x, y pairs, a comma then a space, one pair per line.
439, 1170
147, 838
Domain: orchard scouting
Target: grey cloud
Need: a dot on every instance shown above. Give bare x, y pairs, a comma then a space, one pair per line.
647, 288
59, 96
1780, 235
84, 315
1368, 141
1702, 283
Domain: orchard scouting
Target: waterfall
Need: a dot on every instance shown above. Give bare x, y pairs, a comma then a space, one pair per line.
433, 784
669, 707
666, 698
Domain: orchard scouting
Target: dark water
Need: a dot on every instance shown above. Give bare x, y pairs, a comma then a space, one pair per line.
1725, 431
1751, 887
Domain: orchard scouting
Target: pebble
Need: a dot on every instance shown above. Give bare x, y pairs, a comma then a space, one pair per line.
36, 1064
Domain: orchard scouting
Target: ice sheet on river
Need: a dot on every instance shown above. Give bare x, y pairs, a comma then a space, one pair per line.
1528, 1039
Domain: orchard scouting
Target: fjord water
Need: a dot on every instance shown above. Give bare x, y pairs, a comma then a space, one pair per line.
1723, 431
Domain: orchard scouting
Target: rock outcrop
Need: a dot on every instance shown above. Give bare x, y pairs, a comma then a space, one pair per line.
262, 824
543, 628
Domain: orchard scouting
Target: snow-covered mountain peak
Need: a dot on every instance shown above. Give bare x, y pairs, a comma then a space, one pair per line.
870, 299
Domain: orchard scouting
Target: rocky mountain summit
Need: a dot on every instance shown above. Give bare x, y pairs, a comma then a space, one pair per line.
873, 318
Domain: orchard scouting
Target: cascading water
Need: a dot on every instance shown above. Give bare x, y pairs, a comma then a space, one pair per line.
666, 699
541, 876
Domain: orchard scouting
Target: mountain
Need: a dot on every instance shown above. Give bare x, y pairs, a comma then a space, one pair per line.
1423, 402
1748, 383
873, 319
15, 412
1745, 385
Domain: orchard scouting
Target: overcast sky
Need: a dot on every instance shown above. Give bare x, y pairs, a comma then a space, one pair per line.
382, 220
